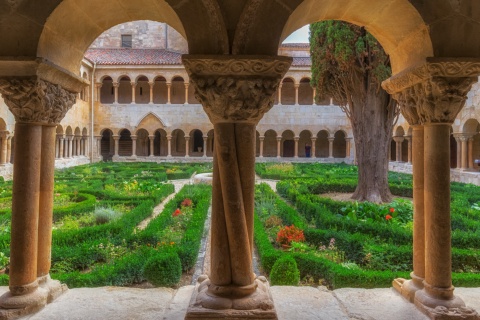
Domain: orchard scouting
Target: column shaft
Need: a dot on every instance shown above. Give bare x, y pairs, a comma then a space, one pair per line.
296, 147
464, 152
186, 94
314, 141
9, 149
151, 91
3, 150
330, 147
169, 146
169, 92
61, 147
459, 152
152, 140
296, 94
470, 153
205, 146
261, 146
187, 147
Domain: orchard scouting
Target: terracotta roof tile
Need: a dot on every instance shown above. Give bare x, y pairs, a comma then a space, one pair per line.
301, 62
296, 45
134, 56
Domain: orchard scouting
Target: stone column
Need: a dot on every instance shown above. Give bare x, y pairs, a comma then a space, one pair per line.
234, 107
3, 149
79, 147
433, 98
348, 147
99, 146
169, 92
279, 147
115, 88
38, 106
9, 149
98, 87
296, 85
409, 140
187, 147
314, 94
134, 146
459, 150
70, 146
464, 141
312, 152
151, 91
152, 140
330, 147
280, 93
261, 139
169, 146
398, 147
134, 86
116, 139
186, 97
295, 139
205, 139
57, 147
470, 153
61, 145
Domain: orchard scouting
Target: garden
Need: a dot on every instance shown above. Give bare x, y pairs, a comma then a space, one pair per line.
97, 210
303, 235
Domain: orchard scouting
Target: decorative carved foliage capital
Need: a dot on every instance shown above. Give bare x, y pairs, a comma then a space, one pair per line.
36, 100
236, 89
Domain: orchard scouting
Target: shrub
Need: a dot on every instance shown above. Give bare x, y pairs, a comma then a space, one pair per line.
163, 269
288, 234
285, 272
105, 215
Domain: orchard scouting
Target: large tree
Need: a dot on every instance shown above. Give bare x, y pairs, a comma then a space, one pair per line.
349, 65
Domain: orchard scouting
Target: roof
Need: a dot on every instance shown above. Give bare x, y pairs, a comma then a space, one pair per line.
127, 56
296, 45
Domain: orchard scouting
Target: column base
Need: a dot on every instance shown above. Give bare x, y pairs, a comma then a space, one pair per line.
12, 307
407, 288
205, 305
443, 309
54, 287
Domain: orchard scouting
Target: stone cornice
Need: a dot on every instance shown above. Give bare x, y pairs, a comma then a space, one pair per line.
236, 88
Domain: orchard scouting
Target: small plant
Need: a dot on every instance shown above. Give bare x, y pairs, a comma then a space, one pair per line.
187, 202
285, 272
288, 234
4, 260
273, 221
105, 215
176, 213
163, 269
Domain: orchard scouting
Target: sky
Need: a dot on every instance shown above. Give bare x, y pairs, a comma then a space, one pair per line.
299, 36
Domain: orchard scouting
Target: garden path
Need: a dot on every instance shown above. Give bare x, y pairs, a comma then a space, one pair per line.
178, 184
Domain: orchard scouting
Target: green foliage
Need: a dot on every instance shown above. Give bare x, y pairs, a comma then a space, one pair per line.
106, 215
163, 269
285, 272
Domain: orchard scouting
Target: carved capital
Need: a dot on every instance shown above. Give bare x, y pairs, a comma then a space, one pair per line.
434, 92
238, 88
35, 100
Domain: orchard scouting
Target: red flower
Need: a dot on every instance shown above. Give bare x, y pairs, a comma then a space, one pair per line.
392, 210
288, 234
388, 217
186, 202
176, 213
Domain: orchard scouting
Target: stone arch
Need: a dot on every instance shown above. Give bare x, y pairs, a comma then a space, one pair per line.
321, 144
142, 90
177, 90
3, 125
160, 144
305, 144
151, 122
196, 142
160, 90
84, 132
270, 143
59, 31
107, 144
397, 25
143, 143
124, 90
288, 144
288, 91
305, 92
178, 143
60, 129
470, 132
340, 144
125, 143
107, 91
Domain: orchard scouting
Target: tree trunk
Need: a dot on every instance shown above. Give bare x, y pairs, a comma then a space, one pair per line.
372, 123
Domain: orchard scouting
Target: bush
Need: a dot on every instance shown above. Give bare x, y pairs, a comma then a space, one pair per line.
285, 272
163, 269
105, 215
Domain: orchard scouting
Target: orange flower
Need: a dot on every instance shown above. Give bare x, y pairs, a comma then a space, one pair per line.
388, 217
176, 213
392, 210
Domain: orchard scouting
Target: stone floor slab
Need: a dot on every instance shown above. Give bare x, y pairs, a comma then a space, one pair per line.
306, 303
177, 308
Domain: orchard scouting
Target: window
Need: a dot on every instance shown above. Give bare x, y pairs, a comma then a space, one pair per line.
126, 40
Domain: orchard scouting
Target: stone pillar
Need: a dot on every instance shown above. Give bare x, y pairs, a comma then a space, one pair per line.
38, 106
464, 141
296, 85
151, 91
79, 147
3, 149
70, 146
295, 139
234, 107
57, 148
279, 145
261, 139
313, 151
348, 147
398, 147
470, 153
280, 93
134, 86
314, 95
433, 99
187, 147
169, 146
330, 147
152, 140
459, 150
61, 146
409, 140
186, 100
116, 139
115, 88
169, 92
98, 87
9, 149
99, 146
134, 146
205, 139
